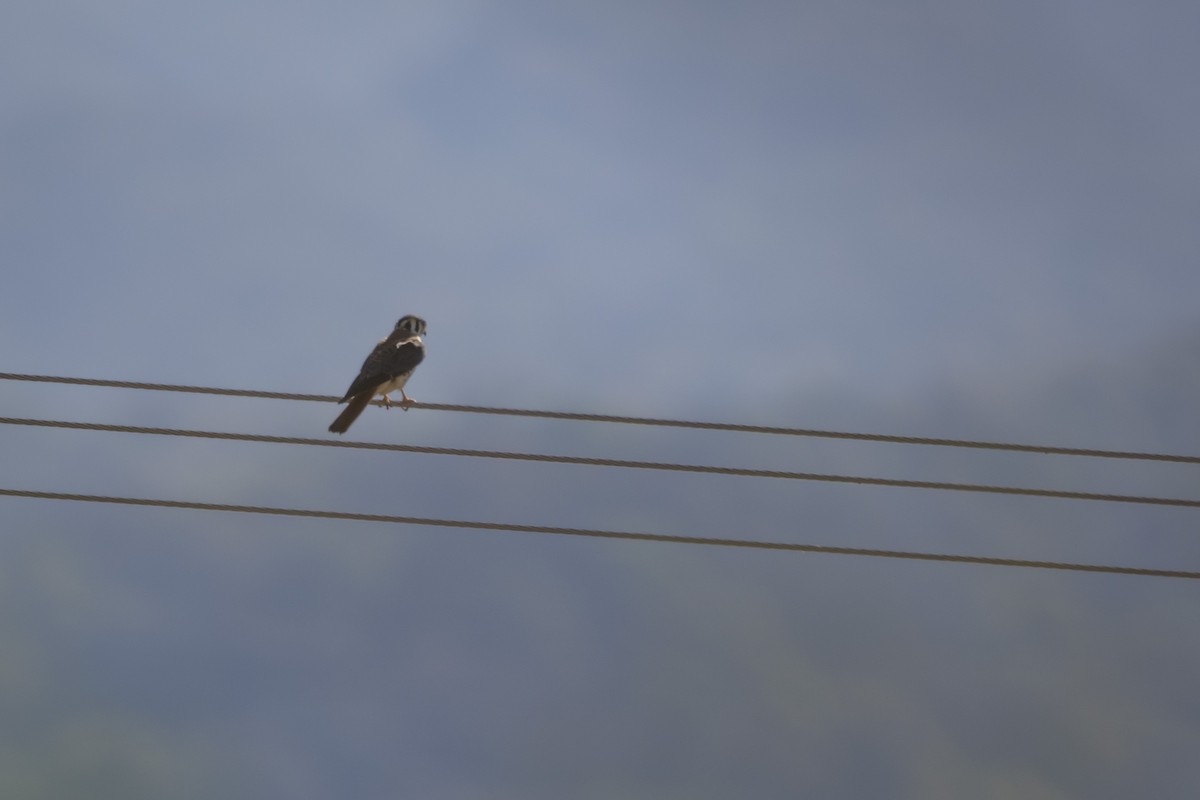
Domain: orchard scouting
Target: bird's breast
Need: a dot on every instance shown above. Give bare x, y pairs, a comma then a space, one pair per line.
393, 385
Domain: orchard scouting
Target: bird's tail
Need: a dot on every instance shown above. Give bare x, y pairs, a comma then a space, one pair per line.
351, 412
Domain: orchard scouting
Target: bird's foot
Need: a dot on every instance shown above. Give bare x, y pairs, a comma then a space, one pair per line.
406, 402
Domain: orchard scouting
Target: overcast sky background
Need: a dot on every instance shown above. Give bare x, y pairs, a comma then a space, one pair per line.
931, 218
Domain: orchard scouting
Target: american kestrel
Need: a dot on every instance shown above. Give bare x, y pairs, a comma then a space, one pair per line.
387, 369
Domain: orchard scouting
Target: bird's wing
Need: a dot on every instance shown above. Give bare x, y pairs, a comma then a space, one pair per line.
396, 355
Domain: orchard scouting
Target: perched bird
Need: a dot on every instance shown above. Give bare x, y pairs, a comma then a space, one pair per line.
387, 369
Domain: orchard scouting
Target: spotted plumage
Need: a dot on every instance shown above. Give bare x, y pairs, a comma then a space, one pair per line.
386, 370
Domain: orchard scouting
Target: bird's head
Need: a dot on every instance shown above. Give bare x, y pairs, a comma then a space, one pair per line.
413, 326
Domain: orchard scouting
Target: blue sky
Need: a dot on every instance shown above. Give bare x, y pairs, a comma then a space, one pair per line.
865, 196
929, 218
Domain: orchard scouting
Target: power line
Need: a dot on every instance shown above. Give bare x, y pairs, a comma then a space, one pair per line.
605, 534
626, 420
611, 462
169, 387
